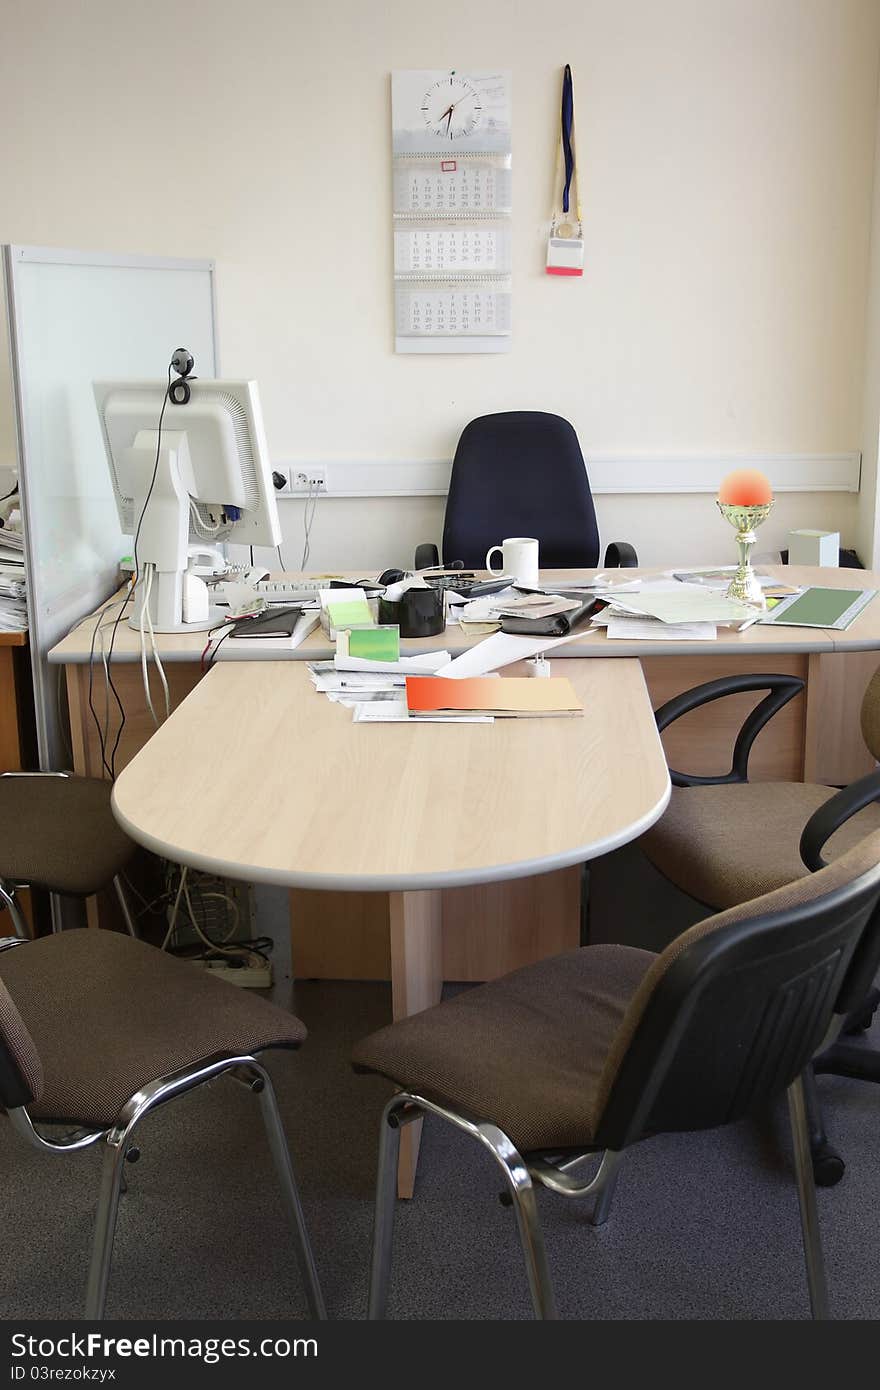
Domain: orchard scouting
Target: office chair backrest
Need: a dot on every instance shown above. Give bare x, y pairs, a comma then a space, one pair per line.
870, 716
520, 473
734, 1008
21, 1071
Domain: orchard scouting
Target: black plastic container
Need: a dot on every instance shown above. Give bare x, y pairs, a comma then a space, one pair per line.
418, 612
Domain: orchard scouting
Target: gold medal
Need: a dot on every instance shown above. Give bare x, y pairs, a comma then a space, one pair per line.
565, 229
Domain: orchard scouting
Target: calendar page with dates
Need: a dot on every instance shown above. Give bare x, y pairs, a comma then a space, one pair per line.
451, 200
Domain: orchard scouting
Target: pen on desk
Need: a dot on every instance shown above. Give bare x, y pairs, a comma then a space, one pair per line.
748, 623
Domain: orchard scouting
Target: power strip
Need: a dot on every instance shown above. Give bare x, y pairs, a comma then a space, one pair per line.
250, 976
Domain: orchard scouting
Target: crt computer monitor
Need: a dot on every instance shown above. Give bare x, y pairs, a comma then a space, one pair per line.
213, 482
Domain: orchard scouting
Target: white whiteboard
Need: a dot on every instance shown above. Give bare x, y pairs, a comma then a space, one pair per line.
75, 317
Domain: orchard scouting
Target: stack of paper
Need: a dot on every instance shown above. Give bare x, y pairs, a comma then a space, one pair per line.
666, 610
13, 588
374, 690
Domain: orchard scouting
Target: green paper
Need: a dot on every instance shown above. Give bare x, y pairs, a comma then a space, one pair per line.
353, 612
375, 643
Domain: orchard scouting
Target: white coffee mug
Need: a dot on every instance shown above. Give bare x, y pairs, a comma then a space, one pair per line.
519, 557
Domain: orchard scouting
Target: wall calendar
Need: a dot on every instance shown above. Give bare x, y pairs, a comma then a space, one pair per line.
451, 201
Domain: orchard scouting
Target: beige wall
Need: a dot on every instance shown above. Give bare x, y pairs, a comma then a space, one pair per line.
868, 520
727, 150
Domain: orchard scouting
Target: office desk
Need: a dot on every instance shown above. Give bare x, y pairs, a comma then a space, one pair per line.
258, 777
12, 755
492, 928
16, 721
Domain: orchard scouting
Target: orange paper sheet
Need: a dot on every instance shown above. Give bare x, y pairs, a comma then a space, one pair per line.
500, 695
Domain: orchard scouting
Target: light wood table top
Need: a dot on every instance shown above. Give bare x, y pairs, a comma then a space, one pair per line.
259, 777
862, 635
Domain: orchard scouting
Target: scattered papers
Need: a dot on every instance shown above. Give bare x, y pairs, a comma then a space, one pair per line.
518, 606
396, 712
689, 605
353, 681
502, 649
649, 629
426, 664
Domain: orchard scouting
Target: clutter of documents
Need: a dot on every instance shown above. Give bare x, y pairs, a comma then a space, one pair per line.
368, 673
13, 585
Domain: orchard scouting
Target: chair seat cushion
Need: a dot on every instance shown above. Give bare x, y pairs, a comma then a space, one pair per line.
728, 844
525, 1051
59, 833
108, 1015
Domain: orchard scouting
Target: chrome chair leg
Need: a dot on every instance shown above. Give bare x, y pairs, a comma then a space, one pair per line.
517, 1177
383, 1220
9, 900
531, 1236
123, 903
807, 1198
290, 1194
105, 1229
602, 1207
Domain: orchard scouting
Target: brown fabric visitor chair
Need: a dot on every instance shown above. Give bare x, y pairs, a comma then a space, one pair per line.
97, 1030
725, 840
597, 1049
59, 834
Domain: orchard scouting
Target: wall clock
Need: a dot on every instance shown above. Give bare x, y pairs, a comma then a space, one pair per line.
435, 110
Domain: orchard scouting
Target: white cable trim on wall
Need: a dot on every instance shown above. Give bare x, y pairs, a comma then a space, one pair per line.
609, 473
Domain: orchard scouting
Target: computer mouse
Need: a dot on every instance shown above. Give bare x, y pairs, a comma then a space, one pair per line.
391, 576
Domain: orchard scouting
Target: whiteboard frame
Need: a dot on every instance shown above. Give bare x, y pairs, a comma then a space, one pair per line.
45, 701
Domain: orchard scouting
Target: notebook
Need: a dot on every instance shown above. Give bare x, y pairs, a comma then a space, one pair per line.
498, 695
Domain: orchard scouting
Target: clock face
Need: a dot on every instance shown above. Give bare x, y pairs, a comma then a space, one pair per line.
452, 108
437, 110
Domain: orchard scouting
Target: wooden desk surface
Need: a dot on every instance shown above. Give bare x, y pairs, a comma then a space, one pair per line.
13, 639
257, 776
862, 635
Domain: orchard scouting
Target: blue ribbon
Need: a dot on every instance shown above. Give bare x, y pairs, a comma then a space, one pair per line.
567, 123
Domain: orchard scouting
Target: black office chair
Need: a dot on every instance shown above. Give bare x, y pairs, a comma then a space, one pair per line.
595, 1050
724, 840
521, 473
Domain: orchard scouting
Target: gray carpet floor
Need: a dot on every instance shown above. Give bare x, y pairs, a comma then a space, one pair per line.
704, 1226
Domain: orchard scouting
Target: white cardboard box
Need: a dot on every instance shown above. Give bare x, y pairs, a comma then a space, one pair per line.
814, 548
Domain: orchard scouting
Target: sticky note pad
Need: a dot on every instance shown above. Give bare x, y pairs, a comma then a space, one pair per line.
375, 643
349, 612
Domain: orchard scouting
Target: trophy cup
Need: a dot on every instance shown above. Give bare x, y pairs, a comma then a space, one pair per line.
745, 499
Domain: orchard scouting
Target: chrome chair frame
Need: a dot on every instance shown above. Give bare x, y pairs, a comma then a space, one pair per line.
523, 1172
8, 890
117, 1139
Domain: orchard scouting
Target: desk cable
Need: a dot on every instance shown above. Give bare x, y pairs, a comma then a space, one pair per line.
111, 765
309, 509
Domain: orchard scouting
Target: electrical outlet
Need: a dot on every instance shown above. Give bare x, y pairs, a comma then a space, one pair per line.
280, 471
311, 479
